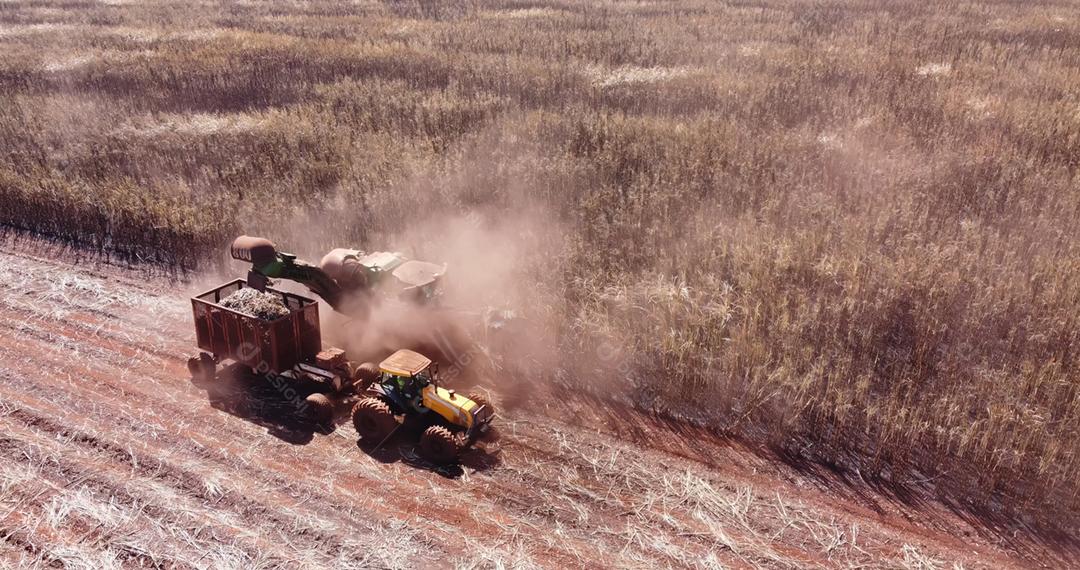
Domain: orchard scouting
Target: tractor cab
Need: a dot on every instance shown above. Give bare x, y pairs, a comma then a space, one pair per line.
411, 382
404, 375
407, 385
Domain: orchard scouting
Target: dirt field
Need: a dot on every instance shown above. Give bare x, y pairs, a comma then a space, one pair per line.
113, 458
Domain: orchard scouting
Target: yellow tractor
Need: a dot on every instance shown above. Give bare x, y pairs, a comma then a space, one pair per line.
406, 388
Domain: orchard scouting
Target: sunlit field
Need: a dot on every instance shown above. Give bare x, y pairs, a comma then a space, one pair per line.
845, 231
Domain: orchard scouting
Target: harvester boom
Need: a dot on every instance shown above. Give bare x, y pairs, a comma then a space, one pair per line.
267, 263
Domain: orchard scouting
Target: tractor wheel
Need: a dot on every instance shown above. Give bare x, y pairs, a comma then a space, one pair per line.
481, 400
319, 408
373, 420
366, 374
491, 435
438, 445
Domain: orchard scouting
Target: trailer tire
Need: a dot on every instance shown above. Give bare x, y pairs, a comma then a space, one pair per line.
319, 409
439, 445
373, 420
202, 368
194, 367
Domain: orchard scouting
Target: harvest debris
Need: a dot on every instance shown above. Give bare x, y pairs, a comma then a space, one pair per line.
266, 306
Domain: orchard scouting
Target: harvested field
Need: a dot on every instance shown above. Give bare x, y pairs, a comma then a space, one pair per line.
112, 458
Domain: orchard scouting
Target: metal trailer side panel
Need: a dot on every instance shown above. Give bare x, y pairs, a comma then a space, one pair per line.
266, 346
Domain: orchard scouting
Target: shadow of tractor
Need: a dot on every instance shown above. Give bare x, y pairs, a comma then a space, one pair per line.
403, 446
237, 391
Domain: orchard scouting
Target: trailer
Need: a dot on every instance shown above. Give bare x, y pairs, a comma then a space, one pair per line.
287, 350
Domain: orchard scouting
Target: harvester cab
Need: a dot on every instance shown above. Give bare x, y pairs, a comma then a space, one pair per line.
394, 273
408, 387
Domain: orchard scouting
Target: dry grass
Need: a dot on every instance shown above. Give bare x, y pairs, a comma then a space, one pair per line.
847, 228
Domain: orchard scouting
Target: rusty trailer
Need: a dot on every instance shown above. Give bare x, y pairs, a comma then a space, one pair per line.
264, 346
287, 349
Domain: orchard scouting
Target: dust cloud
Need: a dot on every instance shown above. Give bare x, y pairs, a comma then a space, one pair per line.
494, 315
501, 303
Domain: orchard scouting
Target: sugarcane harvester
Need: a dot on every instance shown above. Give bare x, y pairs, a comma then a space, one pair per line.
288, 350
342, 273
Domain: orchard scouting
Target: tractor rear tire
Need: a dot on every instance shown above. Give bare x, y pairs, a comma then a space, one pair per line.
438, 445
319, 408
366, 374
373, 420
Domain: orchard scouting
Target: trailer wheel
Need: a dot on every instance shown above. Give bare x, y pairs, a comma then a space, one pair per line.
373, 420
366, 374
438, 445
193, 366
319, 408
202, 368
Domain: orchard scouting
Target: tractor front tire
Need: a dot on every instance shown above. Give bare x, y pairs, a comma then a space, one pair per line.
439, 445
491, 435
373, 420
319, 408
481, 400
366, 374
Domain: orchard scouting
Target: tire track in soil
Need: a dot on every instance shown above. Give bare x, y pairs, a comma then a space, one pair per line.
523, 512
692, 536
224, 511
134, 358
29, 511
187, 481
90, 393
69, 473
878, 531
541, 483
